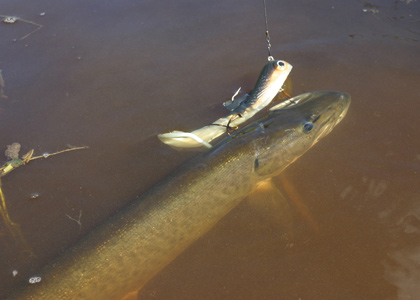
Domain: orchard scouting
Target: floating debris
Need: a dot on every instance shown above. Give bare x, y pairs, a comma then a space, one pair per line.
14, 273
11, 226
28, 156
12, 20
9, 20
2, 86
34, 280
370, 10
71, 148
34, 195
12, 153
78, 219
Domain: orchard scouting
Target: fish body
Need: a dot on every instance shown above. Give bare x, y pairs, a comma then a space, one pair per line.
126, 251
269, 83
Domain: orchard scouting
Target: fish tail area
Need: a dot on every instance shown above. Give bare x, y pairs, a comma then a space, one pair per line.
301, 208
198, 138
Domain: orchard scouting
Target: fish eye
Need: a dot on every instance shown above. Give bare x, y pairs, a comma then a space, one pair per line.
281, 64
307, 127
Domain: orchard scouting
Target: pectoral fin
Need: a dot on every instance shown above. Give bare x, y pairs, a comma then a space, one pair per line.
281, 207
267, 199
301, 208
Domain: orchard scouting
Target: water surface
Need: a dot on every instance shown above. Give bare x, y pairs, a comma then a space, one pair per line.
113, 74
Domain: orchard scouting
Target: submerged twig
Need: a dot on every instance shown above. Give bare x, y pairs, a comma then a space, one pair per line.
12, 153
78, 219
46, 155
14, 162
11, 226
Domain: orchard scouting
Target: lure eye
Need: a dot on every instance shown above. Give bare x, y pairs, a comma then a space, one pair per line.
307, 127
281, 64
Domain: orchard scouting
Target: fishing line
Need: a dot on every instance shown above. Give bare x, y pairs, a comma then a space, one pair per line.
267, 34
267, 38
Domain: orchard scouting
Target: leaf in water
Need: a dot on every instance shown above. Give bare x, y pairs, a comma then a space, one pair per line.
12, 151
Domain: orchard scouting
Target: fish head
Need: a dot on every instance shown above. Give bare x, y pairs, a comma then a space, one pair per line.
287, 133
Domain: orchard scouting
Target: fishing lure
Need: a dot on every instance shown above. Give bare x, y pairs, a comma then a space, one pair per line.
268, 85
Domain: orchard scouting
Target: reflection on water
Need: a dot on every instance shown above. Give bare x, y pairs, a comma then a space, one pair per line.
402, 223
112, 75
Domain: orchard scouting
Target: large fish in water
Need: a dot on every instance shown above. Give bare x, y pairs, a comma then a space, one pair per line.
126, 251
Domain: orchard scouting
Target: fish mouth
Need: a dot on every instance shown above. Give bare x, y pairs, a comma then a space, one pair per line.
342, 105
289, 103
337, 111
343, 98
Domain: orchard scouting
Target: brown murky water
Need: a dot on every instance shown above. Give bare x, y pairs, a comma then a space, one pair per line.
113, 74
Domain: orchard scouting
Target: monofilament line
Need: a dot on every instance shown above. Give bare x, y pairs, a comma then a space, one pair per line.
267, 34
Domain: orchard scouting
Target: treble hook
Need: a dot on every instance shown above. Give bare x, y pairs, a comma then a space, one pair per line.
228, 127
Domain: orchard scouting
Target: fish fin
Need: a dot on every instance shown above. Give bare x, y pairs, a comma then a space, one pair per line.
267, 199
281, 206
231, 105
131, 296
301, 208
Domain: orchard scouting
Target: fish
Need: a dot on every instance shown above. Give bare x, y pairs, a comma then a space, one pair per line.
126, 251
268, 85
